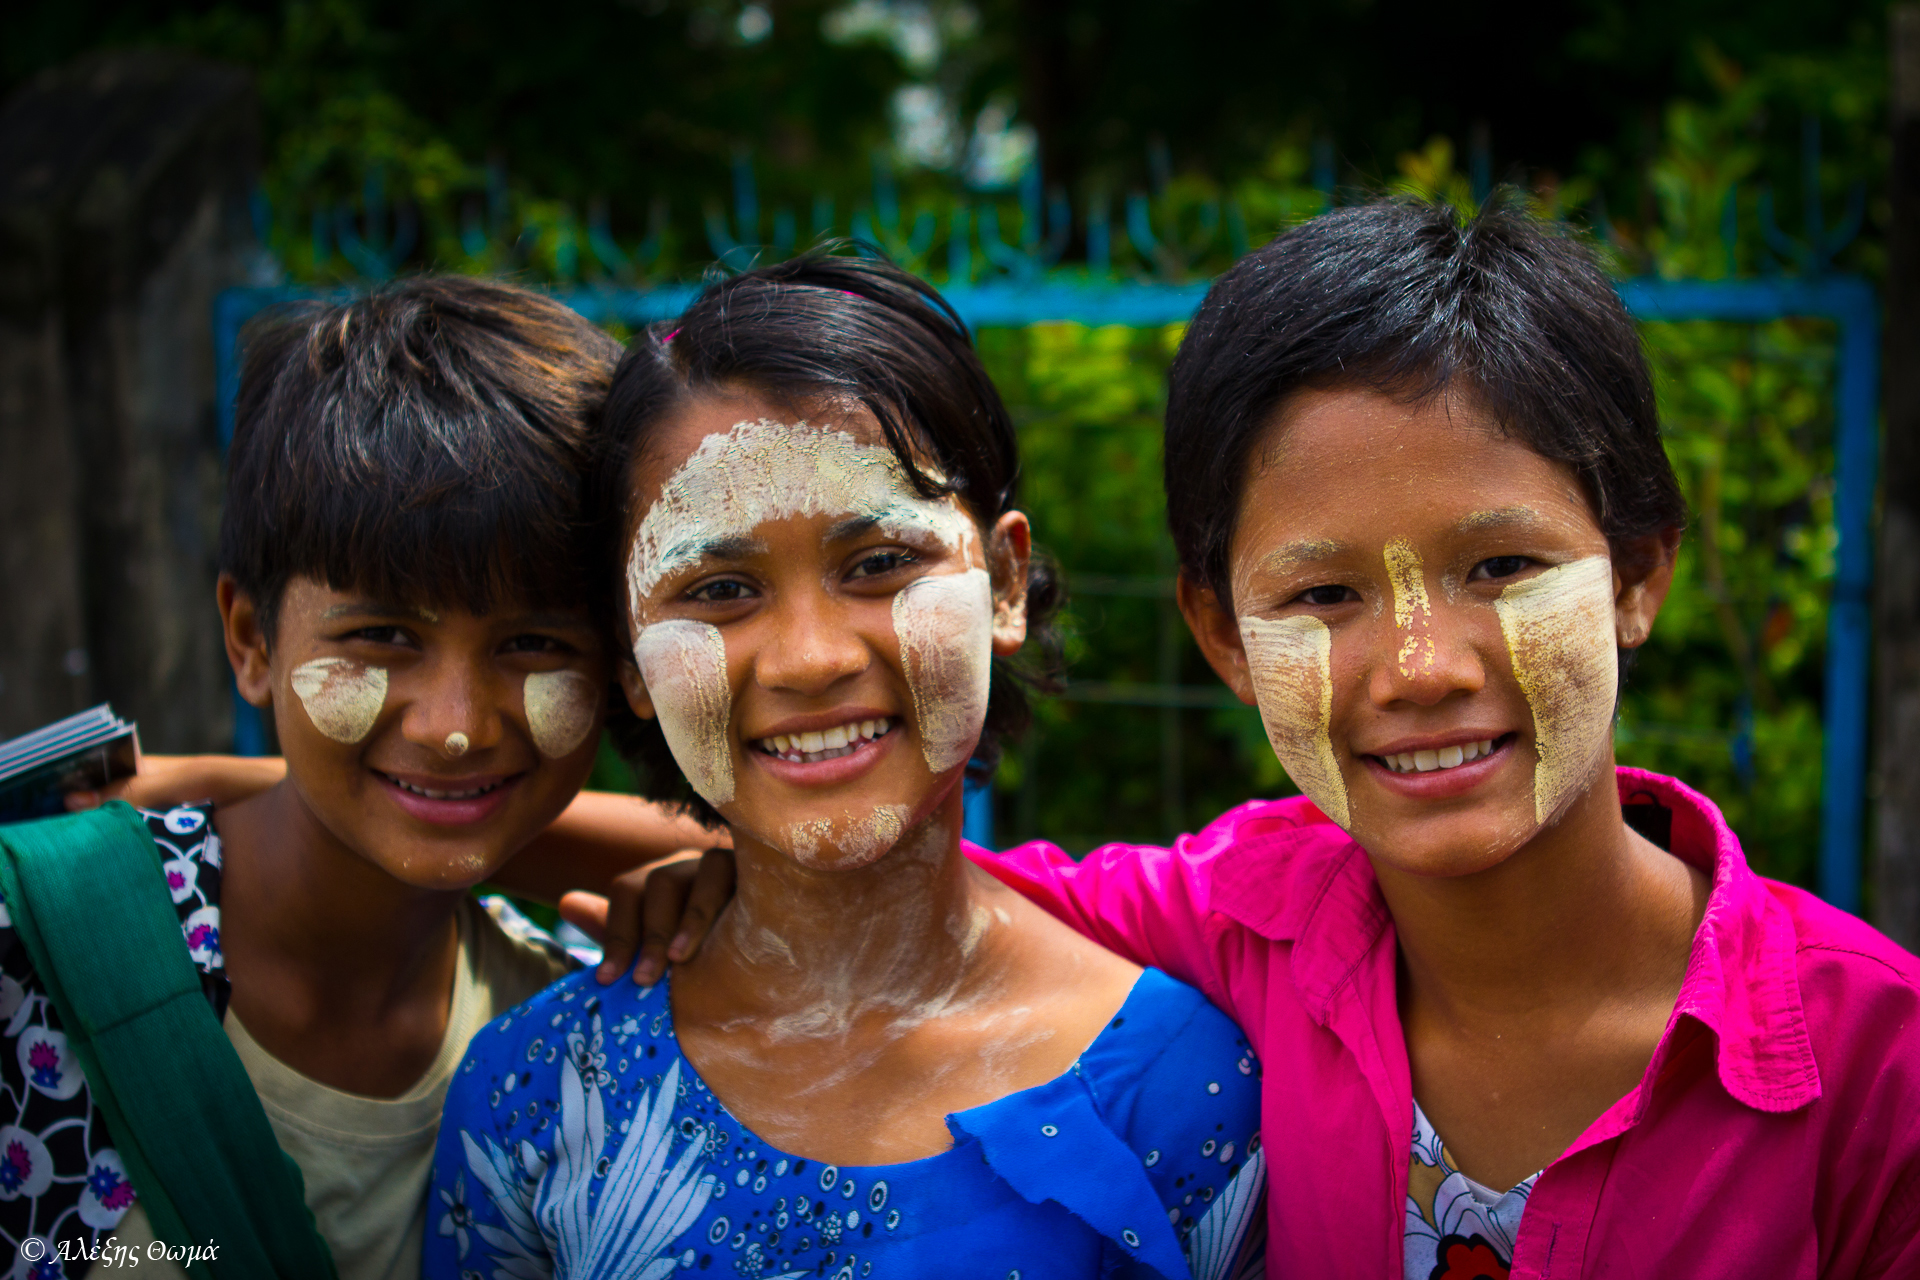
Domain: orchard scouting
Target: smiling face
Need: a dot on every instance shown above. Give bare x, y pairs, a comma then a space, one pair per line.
813, 635
1427, 614
433, 744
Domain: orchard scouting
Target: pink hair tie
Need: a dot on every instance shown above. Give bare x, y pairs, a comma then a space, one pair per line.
670, 337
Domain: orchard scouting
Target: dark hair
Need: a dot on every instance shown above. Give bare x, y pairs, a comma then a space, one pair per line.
426, 443
859, 330
1403, 297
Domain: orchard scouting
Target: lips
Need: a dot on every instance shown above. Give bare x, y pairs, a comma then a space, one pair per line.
449, 801
815, 746
1432, 772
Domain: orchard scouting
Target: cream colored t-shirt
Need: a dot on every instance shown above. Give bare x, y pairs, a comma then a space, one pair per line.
366, 1161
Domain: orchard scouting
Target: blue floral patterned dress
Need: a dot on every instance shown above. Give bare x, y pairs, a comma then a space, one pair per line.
60, 1178
579, 1142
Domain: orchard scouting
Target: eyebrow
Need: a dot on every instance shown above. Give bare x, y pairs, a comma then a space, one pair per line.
852, 527
1291, 555
376, 609
1500, 518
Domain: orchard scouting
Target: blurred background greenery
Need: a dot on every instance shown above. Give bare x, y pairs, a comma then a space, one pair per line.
597, 143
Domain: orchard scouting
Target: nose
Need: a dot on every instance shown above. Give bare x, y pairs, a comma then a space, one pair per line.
454, 708
1430, 658
812, 644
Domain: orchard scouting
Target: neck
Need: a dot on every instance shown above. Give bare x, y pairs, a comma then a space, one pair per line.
807, 953
298, 903
1587, 910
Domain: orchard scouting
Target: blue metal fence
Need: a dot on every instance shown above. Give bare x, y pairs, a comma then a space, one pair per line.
1024, 285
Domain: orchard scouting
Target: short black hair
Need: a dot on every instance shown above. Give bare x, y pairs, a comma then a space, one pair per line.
1405, 297
854, 329
426, 443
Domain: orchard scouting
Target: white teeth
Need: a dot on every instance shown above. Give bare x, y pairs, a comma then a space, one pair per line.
439, 795
828, 744
1439, 758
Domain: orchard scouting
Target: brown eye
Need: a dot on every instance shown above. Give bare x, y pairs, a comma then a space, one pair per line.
720, 591
882, 562
1327, 595
1500, 567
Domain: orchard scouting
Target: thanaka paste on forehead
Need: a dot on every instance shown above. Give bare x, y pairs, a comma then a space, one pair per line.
342, 697
737, 480
1291, 663
559, 710
1559, 629
945, 628
684, 664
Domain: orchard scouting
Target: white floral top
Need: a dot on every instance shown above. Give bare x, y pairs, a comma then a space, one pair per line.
60, 1178
1457, 1229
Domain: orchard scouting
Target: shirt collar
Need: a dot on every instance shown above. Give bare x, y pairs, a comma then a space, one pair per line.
1290, 875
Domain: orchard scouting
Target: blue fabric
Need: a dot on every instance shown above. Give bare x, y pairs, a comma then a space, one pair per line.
578, 1141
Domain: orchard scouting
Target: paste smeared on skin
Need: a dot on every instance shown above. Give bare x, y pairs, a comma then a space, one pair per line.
1560, 630
766, 470
560, 706
684, 664
945, 628
1411, 607
860, 840
1291, 662
342, 697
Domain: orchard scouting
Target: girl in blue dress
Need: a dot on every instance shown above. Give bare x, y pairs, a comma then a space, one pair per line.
883, 1062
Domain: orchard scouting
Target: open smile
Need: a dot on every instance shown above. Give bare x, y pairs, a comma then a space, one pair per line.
1441, 770
1432, 760
815, 747
450, 802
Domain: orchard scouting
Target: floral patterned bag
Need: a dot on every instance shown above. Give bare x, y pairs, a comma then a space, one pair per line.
87, 898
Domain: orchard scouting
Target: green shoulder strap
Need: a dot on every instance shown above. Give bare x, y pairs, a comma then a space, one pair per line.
90, 903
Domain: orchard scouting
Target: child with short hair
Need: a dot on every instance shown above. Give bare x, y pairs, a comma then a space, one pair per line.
1521, 1011
410, 588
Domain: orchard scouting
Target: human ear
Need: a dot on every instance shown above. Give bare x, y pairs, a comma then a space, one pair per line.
1009, 552
1642, 575
246, 641
1217, 632
635, 687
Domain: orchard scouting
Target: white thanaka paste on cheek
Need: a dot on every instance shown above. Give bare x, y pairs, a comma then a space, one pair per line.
945, 628
342, 698
765, 470
684, 664
1410, 604
1291, 662
559, 711
1560, 631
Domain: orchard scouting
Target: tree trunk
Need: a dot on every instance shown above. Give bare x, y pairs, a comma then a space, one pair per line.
1897, 840
124, 188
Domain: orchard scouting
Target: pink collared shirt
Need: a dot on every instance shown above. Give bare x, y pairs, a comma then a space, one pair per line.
1775, 1134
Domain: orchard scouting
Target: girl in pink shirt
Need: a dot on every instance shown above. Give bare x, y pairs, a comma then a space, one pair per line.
1520, 1012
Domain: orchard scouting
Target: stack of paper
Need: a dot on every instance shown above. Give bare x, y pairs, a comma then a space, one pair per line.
81, 753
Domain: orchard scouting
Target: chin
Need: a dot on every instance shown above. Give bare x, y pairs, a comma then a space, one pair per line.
442, 869
1449, 850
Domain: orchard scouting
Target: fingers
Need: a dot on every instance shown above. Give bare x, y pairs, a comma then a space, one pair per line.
586, 912
712, 889
665, 889
81, 801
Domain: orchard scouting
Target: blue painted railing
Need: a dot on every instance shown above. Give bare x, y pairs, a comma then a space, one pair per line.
1847, 300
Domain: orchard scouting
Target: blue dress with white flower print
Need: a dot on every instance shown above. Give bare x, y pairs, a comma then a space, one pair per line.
60, 1178
578, 1142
